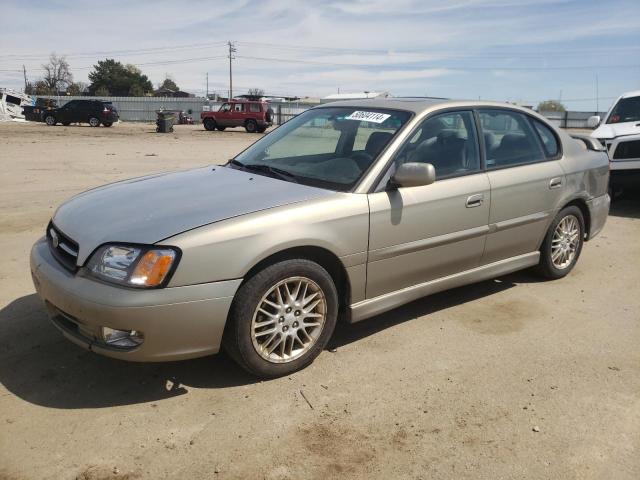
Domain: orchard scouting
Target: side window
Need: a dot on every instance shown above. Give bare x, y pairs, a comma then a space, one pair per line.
447, 141
254, 107
238, 107
549, 141
226, 107
72, 105
509, 139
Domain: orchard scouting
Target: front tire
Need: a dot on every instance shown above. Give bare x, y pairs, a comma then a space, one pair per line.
562, 244
282, 318
50, 120
209, 124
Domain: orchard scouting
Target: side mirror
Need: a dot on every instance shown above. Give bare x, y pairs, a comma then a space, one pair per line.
593, 121
414, 175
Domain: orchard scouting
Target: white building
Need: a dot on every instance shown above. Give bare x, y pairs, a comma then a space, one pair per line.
336, 97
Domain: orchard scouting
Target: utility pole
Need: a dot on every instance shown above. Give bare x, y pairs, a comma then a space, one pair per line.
597, 96
207, 85
24, 70
232, 50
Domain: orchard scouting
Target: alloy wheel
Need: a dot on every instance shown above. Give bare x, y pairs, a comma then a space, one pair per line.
564, 243
288, 320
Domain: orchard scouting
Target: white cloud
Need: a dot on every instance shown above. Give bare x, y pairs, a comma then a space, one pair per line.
401, 45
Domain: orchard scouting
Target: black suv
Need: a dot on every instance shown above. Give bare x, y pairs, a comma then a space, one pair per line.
93, 112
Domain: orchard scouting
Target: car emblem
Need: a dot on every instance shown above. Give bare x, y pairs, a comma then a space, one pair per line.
55, 240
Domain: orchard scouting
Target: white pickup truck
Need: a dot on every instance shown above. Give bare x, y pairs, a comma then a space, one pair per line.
619, 132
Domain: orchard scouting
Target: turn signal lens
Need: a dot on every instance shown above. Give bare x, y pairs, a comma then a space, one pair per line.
152, 268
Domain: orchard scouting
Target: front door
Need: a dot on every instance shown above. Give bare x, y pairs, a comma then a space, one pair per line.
223, 117
418, 234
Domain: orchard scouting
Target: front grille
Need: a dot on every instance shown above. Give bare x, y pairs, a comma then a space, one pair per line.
627, 150
63, 248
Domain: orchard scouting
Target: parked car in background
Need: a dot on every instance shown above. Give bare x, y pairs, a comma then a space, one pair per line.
619, 132
37, 112
93, 112
254, 116
348, 210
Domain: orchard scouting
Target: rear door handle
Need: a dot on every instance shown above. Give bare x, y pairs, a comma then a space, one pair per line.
555, 183
475, 200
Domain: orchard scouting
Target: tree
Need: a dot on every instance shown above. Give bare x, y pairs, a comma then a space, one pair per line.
38, 88
117, 79
551, 106
56, 74
77, 88
256, 92
168, 84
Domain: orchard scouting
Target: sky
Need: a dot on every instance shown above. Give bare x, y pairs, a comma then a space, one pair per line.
584, 53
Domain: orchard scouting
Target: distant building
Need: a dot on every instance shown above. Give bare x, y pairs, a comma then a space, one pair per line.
336, 97
167, 92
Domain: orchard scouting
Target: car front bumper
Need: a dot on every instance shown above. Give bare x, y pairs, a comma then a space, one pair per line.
176, 323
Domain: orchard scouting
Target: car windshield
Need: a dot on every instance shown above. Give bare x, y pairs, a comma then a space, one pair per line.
626, 110
329, 147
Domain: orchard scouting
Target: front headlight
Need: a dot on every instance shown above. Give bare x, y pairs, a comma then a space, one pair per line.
134, 266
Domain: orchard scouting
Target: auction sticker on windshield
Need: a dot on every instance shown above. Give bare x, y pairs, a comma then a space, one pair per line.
373, 117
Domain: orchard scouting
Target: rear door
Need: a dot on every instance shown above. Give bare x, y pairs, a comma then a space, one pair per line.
419, 234
238, 115
523, 164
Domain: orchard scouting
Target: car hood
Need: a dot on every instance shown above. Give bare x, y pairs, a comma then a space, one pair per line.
149, 209
612, 130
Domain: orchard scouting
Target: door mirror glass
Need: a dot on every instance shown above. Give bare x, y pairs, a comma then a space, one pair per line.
594, 121
414, 175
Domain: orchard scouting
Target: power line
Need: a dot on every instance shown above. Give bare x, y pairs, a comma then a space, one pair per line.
445, 67
136, 51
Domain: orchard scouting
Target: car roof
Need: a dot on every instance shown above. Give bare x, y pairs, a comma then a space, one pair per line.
635, 93
419, 105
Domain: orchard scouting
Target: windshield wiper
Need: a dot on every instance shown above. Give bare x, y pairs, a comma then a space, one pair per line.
261, 168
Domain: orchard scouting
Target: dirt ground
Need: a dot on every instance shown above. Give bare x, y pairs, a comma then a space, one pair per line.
512, 378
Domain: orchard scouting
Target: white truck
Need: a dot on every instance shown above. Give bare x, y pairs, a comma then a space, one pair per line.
619, 132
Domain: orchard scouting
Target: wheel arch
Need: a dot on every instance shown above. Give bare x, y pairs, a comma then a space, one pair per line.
586, 214
323, 257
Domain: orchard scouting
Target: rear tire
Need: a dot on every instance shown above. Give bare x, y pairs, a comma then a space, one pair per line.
107, 124
94, 122
50, 120
209, 124
270, 334
251, 126
562, 244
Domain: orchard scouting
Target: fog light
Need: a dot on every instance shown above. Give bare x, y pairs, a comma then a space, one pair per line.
122, 338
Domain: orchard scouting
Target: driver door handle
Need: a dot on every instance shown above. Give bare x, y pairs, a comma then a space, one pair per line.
475, 200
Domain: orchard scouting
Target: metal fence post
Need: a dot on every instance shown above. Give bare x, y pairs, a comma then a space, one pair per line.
279, 114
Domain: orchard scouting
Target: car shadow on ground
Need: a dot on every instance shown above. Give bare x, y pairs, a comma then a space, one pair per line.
39, 366
627, 205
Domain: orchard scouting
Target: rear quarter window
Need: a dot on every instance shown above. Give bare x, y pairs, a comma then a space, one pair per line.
549, 140
254, 107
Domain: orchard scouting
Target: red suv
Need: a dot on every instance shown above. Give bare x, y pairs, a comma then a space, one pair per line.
253, 116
